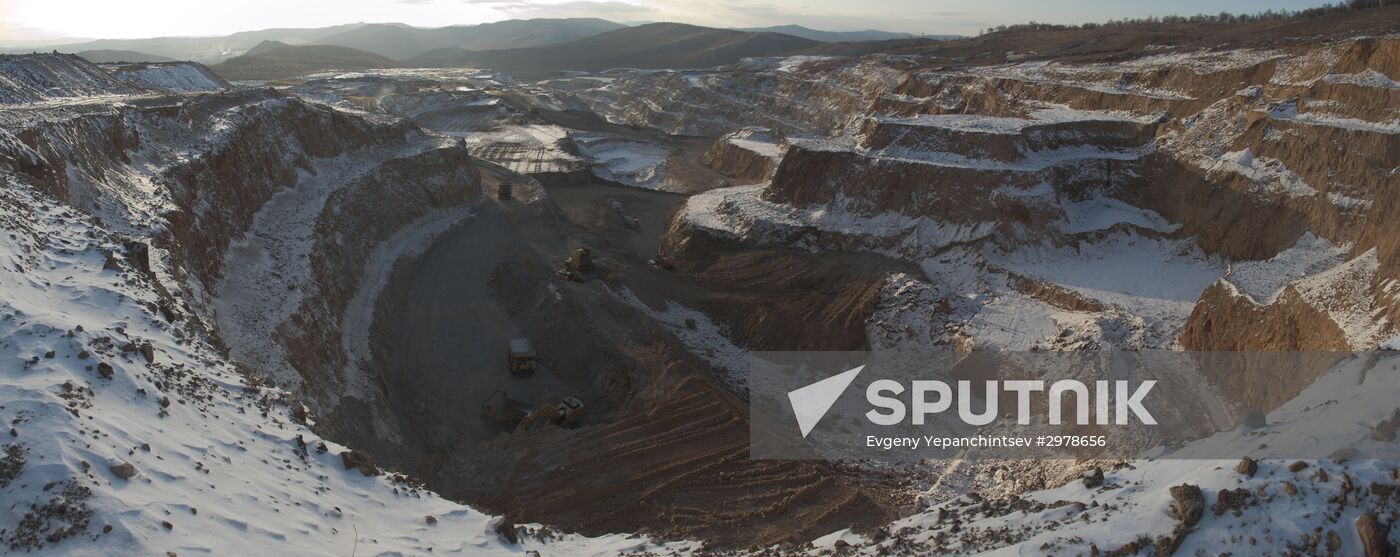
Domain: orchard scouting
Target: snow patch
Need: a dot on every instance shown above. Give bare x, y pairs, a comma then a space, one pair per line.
625, 161
705, 339
1263, 280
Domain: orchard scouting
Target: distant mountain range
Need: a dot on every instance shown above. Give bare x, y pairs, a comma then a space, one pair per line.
830, 36
275, 60
399, 41
654, 45
201, 49
648, 46
113, 56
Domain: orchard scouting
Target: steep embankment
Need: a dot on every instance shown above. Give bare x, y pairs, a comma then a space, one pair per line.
750, 154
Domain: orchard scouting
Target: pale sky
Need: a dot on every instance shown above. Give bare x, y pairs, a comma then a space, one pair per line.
24, 20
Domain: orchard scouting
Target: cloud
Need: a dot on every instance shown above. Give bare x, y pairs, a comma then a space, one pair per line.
13, 34
606, 9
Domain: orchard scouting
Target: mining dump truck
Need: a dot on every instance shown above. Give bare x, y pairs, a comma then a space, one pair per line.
502, 412
521, 358
503, 191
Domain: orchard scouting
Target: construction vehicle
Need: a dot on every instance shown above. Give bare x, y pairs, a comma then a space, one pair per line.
664, 261
507, 414
568, 412
521, 358
537, 418
502, 412
566, 275
581, 262
503, 191
565, 414
578, 265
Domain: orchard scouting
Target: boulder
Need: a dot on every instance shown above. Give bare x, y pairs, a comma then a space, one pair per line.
122, 469
1230, 500
505, 528
1094, 478
1188, 504
1374, 536
354, 460
1247, 466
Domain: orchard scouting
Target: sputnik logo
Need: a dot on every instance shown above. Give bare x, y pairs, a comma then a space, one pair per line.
812, 402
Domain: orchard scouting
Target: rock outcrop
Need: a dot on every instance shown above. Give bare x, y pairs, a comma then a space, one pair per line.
748, 155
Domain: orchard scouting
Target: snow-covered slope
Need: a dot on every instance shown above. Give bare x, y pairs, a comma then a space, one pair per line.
175, 77
38, 77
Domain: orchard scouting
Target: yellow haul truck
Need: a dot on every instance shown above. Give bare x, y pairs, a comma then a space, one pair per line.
521, 358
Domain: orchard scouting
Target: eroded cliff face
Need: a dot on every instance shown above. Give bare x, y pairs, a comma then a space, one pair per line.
1294, 324
267, 147
747, 155
1269, 169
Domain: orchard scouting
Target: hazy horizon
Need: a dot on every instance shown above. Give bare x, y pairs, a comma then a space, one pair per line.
51, 22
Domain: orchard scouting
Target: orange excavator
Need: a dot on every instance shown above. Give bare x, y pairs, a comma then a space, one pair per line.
664, 261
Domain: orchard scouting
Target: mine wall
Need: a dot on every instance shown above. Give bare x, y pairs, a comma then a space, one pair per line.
1273, 110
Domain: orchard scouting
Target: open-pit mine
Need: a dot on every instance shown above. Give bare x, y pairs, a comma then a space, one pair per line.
425, 310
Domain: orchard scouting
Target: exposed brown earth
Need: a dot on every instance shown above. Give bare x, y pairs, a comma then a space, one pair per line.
678, 468
1221, 322
734, 161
